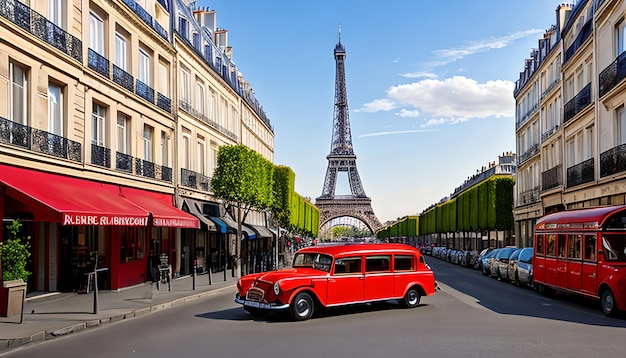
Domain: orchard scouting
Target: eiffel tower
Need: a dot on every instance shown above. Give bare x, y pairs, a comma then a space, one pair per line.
343, 159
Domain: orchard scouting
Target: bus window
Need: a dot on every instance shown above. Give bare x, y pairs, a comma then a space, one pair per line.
614, 247
539, 245
573, 251
561, 243
551, 245
590, 248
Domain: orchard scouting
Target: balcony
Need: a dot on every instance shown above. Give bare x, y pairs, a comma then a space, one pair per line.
100, 156
146, 17
123, 78
527, 116
164, 102
612, 75
36, 140
194, 180
577, 104
144, 91
613, 161
185, 106
529, 153
128, 164
545, 135
529, 196
30, 20
581, 173
552, 178
98, 63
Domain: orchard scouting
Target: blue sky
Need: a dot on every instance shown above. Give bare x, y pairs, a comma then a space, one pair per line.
429, 83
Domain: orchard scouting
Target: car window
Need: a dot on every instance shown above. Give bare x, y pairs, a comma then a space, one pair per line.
403, 263
322, 262
348, 265
304, 260
378, 263
514, 255
526, 255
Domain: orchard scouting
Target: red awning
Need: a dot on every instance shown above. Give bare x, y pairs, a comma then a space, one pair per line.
160, 205
68, 200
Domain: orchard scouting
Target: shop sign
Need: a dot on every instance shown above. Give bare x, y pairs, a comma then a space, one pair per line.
103, 220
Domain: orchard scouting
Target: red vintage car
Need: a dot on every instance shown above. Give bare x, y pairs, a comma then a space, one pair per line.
327, 276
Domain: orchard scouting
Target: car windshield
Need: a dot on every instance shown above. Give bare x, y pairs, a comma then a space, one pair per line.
614, 247
314, 260
526, 255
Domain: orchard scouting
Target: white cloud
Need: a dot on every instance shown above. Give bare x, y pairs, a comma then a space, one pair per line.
378, 134
384, 104
457, 97
419, 75
404, 113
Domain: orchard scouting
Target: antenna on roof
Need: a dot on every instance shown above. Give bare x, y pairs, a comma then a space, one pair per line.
340, 32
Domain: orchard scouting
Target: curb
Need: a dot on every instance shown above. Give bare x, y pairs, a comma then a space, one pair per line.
7, 345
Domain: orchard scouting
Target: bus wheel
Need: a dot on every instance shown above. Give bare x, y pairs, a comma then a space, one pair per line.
608, 303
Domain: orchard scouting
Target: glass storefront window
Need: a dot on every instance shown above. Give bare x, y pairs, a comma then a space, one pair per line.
132, 244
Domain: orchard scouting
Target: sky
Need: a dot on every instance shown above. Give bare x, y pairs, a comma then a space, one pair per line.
429, 84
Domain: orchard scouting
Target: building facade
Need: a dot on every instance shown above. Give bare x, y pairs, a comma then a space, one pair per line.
106, 149
581, 135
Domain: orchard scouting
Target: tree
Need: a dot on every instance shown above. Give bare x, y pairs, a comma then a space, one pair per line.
15, 253
244, 180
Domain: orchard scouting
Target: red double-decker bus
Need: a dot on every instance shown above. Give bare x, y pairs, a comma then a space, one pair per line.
583, 252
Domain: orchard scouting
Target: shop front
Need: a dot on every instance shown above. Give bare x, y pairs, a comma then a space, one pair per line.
77, 224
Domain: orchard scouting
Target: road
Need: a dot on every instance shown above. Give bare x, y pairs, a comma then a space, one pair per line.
473, 316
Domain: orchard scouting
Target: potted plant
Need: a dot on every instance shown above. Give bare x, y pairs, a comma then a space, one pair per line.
14, 254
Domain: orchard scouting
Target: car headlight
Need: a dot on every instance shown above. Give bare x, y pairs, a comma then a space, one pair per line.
276, 288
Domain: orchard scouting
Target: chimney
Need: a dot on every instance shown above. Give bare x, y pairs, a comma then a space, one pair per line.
562, 14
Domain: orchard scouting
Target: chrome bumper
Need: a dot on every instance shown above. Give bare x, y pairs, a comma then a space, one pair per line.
261, 305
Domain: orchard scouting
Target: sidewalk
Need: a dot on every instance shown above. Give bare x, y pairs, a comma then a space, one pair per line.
48, 316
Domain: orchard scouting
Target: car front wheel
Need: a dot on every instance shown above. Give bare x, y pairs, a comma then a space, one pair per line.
411, 299
302, 307
608, 303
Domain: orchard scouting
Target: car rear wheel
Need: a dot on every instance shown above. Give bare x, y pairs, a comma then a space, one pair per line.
608, 303
302, 307
411, 298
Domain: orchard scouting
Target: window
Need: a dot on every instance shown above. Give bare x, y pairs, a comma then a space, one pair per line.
56, 12
348, 265
98, 124
200, 97
121, 51
539, 245
96, 33
132, 243
183, 26
148, 133
123, 134
144, 67
164, 78
620, 131
562, 242
184, 85
551, 245
164, 149
55, 109
403, 263
378, 263
590, 247
212, 108
614, 247
213, 159
186, 160
201, 156
18, 94
573, 251
621, 38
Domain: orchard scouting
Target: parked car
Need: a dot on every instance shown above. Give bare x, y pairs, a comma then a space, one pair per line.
524, 269
326, 276
498, 264
512, 265
478, 264
486, 262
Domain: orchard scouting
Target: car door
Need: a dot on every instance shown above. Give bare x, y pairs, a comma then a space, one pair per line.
346, 284
379, 283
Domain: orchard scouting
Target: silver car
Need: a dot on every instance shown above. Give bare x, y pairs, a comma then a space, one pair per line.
524, 267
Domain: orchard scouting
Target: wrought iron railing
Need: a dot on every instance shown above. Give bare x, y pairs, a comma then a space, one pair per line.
613, 161
194, 180
529, 196
100, 156
124, 162
128, 164
146, 17
17, 134
581, 173
612, 75
144, 91
164, 102
529, 153
577, 104
185, 106
527, 115
144, 168
30, 20
545, 135
552, 178
123, 78
98, 63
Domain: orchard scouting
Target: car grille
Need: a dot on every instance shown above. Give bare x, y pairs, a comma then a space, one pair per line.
255, 294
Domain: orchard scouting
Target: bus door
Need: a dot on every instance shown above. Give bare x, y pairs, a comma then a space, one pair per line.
590, 264
561, 262
550, 263
539, 261
574, 261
